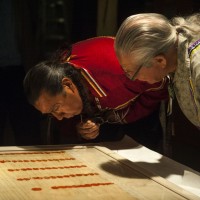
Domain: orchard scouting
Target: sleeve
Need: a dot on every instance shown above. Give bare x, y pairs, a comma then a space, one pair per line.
139, 106
145, 105
196, 89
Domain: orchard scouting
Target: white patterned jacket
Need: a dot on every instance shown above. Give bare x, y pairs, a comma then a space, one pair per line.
186, 81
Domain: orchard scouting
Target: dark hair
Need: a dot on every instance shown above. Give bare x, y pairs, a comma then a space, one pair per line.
47, 76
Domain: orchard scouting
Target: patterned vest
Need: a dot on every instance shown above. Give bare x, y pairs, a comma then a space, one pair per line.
186, 80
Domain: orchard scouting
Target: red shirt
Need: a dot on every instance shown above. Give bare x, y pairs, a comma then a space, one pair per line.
112, 90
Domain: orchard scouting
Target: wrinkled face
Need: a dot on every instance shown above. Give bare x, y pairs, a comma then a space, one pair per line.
130, 69
64, 105
160, 67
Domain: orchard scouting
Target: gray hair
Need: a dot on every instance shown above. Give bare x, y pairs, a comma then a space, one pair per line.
188, 26
145, 36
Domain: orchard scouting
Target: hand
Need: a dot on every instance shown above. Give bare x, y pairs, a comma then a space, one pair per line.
88, 130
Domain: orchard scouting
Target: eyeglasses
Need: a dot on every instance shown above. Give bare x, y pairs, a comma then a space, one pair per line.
132, 74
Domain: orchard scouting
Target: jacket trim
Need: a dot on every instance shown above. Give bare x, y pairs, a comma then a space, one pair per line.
93, 83
133, 99
193, 47
88, 78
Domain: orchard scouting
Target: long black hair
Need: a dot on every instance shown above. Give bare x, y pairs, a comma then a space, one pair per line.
47, 76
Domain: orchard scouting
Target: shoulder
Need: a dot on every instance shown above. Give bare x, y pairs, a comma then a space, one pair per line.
95, 41
97, 55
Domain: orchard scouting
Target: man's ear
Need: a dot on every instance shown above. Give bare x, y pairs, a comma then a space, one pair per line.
160, 61
66, 82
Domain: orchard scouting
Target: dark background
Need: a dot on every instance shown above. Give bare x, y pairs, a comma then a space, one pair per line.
44, 25
80, 17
